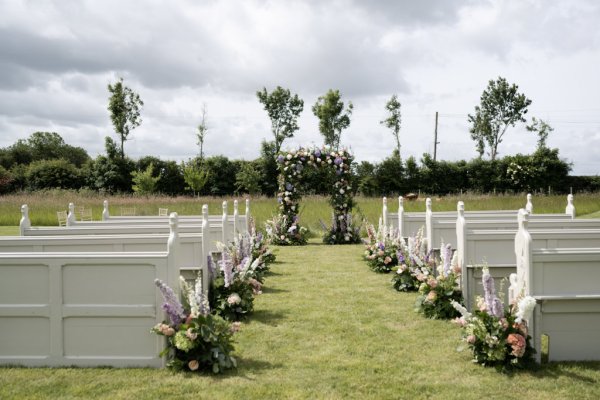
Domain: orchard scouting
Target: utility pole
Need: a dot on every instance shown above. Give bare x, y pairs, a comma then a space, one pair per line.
435, 142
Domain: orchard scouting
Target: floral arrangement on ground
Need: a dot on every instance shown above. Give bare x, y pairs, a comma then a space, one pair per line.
437, 294
498, 336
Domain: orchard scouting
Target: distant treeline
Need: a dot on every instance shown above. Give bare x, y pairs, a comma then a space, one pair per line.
45, 161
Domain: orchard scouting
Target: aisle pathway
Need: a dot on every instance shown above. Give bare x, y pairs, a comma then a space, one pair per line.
326, 326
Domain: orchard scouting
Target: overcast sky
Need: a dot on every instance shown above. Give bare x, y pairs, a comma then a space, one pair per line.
57, 57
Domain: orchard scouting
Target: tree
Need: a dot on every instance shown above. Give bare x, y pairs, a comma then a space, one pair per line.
542, 129
394, 119
283, 109
143, 181
202, 130
333, 119
248, 179
194, 176
124, 106
501, 106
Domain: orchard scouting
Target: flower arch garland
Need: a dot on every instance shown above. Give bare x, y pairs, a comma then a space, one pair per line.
285, 229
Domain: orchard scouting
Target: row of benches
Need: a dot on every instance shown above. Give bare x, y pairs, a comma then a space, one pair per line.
552, 257
84, 294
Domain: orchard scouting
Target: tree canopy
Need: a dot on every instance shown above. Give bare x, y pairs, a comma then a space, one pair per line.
283, 109
394, 119
501, 106
124, 106
333, 118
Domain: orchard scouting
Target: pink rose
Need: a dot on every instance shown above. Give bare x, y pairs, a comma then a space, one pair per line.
380, 253
235, 327
471, 339
432, 283
169, 331
518, 344
387, 260
193, 365
431, 296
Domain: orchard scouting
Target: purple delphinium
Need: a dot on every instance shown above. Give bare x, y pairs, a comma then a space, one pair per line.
317, 153
400, 257
337, 161
497, 308
280, 159
171, 306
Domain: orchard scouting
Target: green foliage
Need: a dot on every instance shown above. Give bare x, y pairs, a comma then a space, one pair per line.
542, 129
365, 175
124, 106
194, 176
501, 106
221, 175
248, 179
143, 181
436, 295
6, 180
47, 174
283, 109
333, 118
111, 173
389, 175
394, 119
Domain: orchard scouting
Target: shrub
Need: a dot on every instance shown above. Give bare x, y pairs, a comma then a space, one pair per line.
48, 174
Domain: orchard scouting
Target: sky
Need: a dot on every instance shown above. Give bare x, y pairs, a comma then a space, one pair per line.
57, 58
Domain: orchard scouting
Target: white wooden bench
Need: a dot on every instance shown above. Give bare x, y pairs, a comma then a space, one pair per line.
212, 232
492, 243
235, 222
564, 281
84, 309
440, 226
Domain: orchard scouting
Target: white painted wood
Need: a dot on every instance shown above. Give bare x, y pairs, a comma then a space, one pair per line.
529, 204
384, 213
570, 209
84, 309
105, 212
71, 218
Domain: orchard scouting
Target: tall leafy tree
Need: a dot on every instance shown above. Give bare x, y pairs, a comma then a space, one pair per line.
195, 177
394, 119
501, 106
283, 109
333, 117
124, 106
202, 130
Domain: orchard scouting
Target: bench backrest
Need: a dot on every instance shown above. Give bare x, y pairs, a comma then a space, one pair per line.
84, 309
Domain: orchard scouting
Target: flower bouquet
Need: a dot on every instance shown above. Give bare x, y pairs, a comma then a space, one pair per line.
196, 339
497, 336
414, 263
232, 291
436, 294
284, 231
381, 249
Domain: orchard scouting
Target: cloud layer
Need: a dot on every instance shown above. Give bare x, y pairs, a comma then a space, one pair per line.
58, 57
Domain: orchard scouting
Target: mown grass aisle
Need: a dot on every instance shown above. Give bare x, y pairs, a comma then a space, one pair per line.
325, 327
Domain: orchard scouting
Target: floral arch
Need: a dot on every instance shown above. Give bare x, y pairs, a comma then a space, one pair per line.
286, 228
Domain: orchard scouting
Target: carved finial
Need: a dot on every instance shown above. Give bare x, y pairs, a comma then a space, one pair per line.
173, 221
523, 219
247, 206
105, 213
204, 210
529, 205
235, 206
460, 207
224, 207
401, 201
570, 210
385, 201
428, 204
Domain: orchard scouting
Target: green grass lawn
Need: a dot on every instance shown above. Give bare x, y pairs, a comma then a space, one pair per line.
326, 327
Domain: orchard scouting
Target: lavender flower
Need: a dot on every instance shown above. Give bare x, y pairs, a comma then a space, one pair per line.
317, 153
289, 187
337, 161
280, 159
497, 308
171, 306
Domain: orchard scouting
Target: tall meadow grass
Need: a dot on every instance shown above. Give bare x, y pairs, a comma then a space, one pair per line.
43, 205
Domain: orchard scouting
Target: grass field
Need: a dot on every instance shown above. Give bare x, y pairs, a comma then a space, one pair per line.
43, 206
326, 327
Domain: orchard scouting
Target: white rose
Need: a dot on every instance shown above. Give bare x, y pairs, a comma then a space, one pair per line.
342, 191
